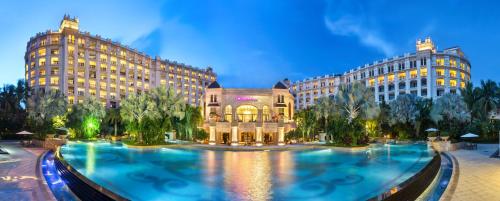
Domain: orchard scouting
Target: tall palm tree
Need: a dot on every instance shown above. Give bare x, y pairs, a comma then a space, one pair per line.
355, 100
134, 110
323, 109
170, 105
470, 96
192, 118
113, 117
488, 99
44, 106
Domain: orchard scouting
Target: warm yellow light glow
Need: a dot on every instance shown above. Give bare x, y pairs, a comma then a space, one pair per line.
453, 83
439, 72
453, 73
440, 82
423, 72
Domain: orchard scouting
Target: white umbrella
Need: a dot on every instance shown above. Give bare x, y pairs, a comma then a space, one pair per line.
24, 133
432, 130
469, 135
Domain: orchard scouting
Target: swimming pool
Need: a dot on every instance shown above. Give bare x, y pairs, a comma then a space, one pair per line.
196, 174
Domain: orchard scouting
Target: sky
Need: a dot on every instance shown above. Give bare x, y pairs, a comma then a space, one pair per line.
255, 43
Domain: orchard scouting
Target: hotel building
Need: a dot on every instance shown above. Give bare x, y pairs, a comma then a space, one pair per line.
248, 116
427, 73
80, 64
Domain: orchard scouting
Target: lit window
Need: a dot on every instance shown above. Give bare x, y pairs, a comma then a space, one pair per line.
440, 62
41, 81
41, 52
423, 72
453, 73
440, 72
54, 61
440, 82
453, 83
402, 76
453, 62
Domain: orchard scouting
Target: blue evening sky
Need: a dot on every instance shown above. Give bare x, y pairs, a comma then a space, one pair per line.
254, 43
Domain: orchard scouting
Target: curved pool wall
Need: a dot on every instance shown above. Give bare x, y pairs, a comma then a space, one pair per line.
56, 184
182, 174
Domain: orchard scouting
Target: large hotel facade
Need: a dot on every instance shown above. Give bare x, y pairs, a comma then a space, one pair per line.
80, 64
427, 73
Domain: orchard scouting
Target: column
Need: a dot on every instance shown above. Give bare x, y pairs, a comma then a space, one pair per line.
212, 135
258, 136
281, 136
234, 134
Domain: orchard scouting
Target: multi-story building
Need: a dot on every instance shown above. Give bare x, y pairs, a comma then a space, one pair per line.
80, 64
427, 73
248, 116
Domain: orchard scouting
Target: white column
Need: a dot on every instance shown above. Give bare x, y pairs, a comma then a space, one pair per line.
234, 136
258, 136
281, 136
212, 135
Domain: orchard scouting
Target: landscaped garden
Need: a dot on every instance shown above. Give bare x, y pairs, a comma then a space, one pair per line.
352, 118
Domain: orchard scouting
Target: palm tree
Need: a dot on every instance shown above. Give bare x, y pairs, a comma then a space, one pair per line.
134, 111
306, 121
488, 99
113, 117
192, 118
323, 109
470, 96
355, 100
44, 106
170, 105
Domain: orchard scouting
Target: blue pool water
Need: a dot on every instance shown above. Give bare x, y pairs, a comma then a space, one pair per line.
195, 174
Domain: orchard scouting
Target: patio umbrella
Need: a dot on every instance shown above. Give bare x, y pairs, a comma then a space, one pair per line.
469, 135
432, 130
24, 133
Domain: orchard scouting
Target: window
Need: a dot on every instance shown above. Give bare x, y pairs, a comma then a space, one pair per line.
439, 62
453, 62
440, 72
453, 83
423, 72
41, 52
453, 73
440, 82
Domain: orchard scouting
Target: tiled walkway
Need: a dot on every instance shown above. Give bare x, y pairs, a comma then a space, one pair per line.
479, 175
18, 178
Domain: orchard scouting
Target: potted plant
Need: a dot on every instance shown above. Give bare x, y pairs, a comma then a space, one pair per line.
444, 136
432, 136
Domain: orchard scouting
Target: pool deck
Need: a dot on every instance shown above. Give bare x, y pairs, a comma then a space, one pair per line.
478, 175
19, 176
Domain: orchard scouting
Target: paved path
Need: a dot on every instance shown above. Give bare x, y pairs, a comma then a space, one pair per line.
479, 175
18, 178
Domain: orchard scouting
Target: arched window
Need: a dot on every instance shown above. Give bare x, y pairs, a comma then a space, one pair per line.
228, 113
247, 113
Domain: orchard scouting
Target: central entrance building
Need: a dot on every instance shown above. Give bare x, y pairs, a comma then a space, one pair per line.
248, 116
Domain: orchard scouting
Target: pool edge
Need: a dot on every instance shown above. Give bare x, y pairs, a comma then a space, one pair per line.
414, 186
104, 192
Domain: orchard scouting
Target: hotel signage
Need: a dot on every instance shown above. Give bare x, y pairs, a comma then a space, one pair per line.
246, 98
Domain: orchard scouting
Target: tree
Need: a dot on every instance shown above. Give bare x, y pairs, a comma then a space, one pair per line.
170, 105
114, 118
470, 96
306, 121
355, 100
450, 112
84, 119
423, 119
192, 118
356, 105
404, 113
43, 107
323, 110
13, 107
488, 99
135, 110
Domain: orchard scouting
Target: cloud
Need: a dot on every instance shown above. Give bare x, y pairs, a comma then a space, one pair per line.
345, 19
